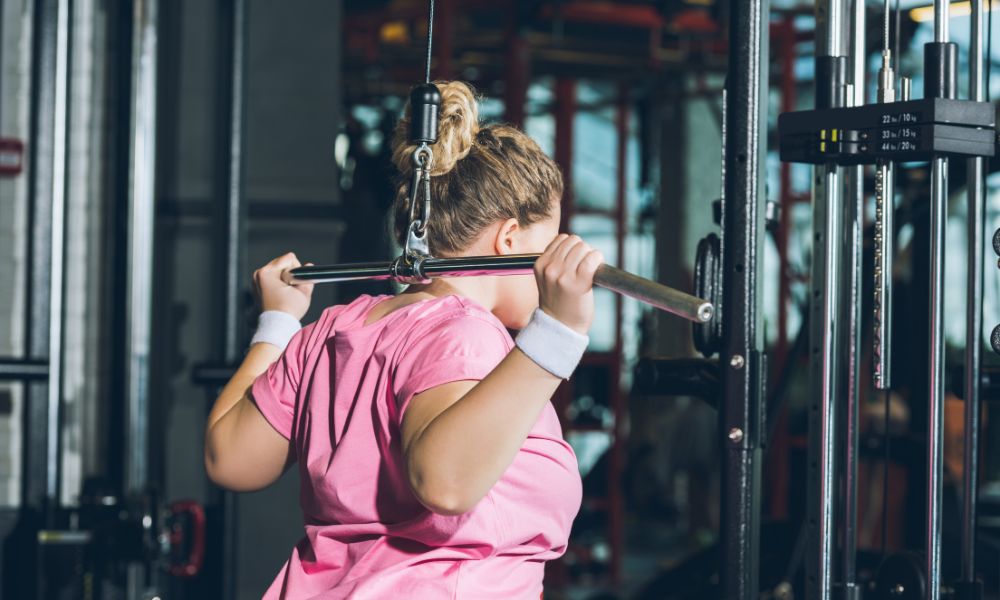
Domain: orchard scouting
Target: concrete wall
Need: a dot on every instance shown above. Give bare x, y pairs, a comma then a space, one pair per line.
15, 80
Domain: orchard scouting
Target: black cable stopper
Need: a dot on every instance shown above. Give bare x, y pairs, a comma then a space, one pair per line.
425, 107
940, 69
996, 241
995, 339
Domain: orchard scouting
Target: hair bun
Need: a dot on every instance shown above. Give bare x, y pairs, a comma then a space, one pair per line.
457, 129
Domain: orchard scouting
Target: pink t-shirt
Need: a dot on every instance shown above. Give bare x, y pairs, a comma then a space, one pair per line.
338, 394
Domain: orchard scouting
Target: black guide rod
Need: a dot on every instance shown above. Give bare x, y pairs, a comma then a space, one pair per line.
232, 222
974, 319
741, 354
939, 81
825, 381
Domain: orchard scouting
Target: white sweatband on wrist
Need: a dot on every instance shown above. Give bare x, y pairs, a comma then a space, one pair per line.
551, 344
275, 327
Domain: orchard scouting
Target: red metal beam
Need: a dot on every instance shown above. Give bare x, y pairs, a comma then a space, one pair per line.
786, 38
565, 112
517, 70
444, 40
606, 13
616, 517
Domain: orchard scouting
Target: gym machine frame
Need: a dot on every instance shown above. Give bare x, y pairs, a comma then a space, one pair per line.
840, 136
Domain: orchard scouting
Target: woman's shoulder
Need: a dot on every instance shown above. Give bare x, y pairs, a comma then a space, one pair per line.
341, 316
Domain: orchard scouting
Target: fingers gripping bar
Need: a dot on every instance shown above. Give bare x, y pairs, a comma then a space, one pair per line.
417, 269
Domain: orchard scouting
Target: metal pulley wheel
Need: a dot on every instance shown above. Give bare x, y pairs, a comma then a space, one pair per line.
901, 577
708, 285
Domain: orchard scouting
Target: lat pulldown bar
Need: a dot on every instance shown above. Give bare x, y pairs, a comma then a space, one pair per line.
418, 269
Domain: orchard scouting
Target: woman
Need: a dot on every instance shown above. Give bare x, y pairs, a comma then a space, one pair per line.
431, 459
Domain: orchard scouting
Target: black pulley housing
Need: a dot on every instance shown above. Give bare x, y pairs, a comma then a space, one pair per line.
425, 107
708, 285
901, 576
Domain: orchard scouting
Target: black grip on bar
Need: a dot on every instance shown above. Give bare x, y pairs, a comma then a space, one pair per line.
425, 105
940, 69
831, 77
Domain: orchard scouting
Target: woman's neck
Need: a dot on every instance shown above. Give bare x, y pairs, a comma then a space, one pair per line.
478, 289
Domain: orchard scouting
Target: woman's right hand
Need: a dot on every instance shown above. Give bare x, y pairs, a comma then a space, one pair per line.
565, 276
274, 294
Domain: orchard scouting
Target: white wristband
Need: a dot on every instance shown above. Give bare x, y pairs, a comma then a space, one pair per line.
551, 344
275, 327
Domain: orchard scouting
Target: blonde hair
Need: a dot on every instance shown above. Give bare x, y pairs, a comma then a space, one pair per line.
480, 175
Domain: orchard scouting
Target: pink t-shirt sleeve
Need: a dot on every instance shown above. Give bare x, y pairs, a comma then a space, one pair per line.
276, 390
462, 347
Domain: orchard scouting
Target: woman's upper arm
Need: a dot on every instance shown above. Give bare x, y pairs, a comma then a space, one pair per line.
424, 407
249, 453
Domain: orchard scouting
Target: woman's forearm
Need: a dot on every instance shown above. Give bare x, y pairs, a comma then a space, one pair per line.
465, 450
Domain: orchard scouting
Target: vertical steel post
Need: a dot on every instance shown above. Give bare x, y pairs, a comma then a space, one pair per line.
741, 410
233, 224
825, 335
139, 281
936, 83
974, 308
50, 84
57, 257
139, 256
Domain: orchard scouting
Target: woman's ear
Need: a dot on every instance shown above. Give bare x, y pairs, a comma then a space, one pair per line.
507, 237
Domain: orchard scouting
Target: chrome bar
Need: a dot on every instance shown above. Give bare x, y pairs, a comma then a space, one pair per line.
974, 308
853, 216
885, 173
884, 247
58, 257
139, 275
142, 162
825, 383
935, 432
935, 425
611, 278
941, 20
